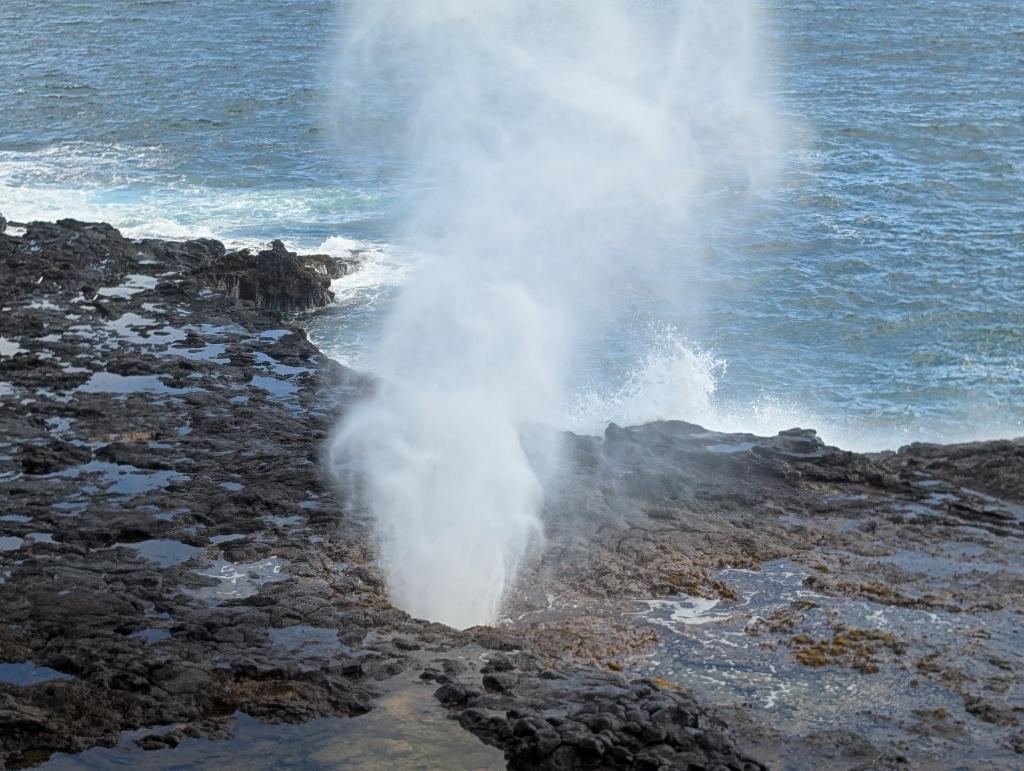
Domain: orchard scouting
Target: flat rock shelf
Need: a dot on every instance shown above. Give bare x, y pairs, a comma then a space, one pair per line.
181, 583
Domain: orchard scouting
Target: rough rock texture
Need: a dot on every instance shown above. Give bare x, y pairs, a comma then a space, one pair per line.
150, 424
993, 468
548, 719
653, 510
798, 586
277, 279
172, 552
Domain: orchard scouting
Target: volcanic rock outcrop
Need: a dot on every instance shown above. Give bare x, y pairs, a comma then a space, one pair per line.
173, 554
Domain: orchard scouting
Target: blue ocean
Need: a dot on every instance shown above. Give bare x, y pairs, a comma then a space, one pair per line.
876, 294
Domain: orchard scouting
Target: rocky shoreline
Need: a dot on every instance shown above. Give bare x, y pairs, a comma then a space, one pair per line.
174, 557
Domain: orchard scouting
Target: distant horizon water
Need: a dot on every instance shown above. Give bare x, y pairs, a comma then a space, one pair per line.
876, 295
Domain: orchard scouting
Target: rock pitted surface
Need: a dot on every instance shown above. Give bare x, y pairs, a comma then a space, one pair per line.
546, 719
278, 280
886, 589
172, 554
159, 473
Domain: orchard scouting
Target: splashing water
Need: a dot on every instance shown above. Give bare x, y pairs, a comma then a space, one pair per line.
674, 381
564, 162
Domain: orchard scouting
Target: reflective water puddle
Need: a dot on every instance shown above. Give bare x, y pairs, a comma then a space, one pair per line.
407, 729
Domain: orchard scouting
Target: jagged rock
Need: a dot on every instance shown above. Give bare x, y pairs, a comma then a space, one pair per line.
668, 729
122, 506
196, 254
995, 468
276, 279
52, 457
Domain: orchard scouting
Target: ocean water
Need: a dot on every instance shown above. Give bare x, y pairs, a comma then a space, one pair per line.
877, 294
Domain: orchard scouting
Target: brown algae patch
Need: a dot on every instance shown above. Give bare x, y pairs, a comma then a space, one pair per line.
854, 648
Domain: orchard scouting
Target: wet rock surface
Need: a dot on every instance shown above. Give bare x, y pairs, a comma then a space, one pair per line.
175, 565
277, 279
172, 555
800, 588
551, 719
159, 467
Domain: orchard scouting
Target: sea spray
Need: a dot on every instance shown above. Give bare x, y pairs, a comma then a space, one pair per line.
673, 381
562, 160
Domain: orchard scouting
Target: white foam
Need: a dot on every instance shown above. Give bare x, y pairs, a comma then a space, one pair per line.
98, 182
162, 227
674, 381
339, 246
687, 611
677, 380
381, 269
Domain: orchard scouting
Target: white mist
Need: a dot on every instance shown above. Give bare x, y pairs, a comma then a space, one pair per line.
561, 159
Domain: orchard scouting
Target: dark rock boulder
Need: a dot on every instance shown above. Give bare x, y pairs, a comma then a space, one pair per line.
198, 253
594, 720
277, 279
51, 458
66, 254
69, 254
995, 468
